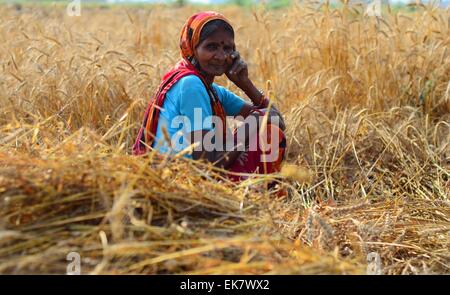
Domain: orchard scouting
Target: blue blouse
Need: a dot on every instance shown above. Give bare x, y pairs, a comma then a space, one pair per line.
187, 108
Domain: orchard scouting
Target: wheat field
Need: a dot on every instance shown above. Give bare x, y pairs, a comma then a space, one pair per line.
366, 103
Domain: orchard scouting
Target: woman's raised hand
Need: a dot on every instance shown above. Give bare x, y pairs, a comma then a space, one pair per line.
238, 70
238, 74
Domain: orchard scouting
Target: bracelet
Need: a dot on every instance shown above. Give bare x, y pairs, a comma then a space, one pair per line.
264, 103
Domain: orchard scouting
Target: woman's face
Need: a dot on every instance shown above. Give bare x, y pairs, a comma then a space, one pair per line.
213, 54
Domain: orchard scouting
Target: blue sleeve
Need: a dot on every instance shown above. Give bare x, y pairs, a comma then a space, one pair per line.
230, 101
195, 103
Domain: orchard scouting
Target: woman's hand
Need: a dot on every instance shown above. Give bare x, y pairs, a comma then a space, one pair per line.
238, 71
238, 74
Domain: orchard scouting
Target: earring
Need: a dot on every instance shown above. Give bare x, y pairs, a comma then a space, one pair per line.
195, 63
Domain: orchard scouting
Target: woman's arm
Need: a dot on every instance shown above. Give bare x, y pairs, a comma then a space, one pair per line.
238, 74
222, 158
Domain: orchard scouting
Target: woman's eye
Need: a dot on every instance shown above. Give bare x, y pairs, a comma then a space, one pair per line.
212, 46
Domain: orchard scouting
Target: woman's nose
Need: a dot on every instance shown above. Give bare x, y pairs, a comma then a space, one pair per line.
221, 54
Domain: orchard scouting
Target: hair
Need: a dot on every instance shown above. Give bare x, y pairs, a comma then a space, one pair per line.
213, 26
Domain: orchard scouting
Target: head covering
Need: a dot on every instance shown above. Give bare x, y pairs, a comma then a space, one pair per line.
190, 36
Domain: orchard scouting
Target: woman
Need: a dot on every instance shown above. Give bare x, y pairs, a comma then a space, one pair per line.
187, 96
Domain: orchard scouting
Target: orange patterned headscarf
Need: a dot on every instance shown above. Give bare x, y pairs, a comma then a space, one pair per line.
189, 39
190, 34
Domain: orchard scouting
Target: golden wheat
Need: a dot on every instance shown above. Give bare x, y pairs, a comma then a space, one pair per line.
367, 107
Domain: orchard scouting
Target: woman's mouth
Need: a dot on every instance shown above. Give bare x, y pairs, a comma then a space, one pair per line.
219, 68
